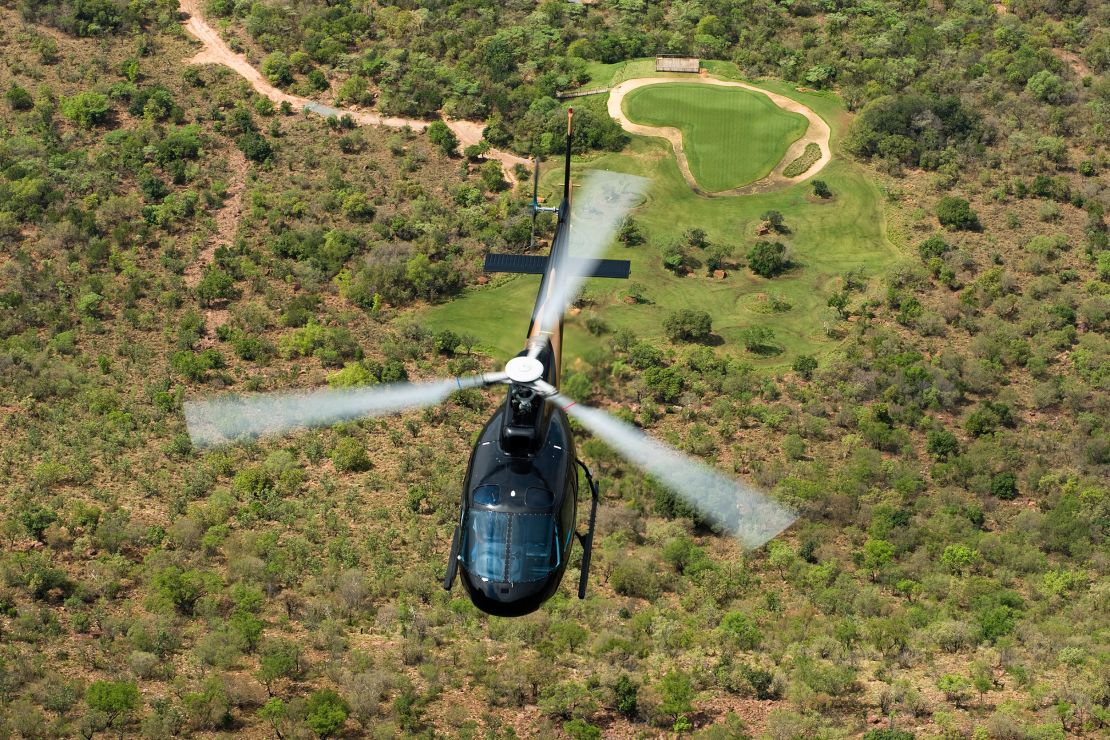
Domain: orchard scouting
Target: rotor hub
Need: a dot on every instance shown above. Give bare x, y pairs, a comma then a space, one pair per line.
524, 369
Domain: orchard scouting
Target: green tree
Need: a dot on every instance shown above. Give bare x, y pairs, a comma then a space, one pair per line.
626, 692
676, 692
774, 221
1045, 87
942, 444
876, 555
1004, 485
758, 339
804, 365
956, 214
959, 558
768, 259
688, 325
117, 699
821, 189
349, 456
956, 688
216, 285
441, 135
277, 68
326, 712
18, 98
278, 660
255, 147
86, 109
741, 630
674, 257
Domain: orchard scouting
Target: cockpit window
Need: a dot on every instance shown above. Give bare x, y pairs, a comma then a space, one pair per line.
510, 548
539, 498
488, 495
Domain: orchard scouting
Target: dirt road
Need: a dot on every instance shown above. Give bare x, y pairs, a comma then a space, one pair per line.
216, 51
817, 133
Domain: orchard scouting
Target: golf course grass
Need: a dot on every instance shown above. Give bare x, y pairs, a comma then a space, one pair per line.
731, 136
826, 239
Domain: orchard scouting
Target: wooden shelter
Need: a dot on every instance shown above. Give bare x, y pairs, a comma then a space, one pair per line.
676, 63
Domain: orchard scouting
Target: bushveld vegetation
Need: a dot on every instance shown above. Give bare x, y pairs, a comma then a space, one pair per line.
949, 459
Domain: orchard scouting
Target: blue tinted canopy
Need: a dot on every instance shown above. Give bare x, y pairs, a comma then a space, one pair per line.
510, 547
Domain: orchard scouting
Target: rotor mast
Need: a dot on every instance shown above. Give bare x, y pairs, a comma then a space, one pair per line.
544, 328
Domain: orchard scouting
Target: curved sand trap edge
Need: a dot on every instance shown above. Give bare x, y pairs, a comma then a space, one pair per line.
817, 133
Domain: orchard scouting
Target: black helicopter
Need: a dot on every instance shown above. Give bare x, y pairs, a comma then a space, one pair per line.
518, 512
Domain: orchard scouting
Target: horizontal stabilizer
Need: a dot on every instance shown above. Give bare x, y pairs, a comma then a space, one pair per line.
530, 264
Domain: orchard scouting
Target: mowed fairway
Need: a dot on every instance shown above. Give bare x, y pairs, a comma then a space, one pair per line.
731, 136
826, 239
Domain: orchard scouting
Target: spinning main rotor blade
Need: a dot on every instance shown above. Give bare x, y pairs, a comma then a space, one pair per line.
598, 208
735, 507
231, 418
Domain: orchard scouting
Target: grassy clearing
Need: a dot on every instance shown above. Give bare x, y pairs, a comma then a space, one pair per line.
826, 240
732, 136
804, 162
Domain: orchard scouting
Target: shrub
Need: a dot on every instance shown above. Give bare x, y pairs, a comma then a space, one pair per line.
768, 259
326, 712
1004, 486
255, 147
115, 698
958, 558
676, 691
804, 365
741, 630
934, 246
86, 109
665, 383
580, 729
277, 69
626, 696
956, 688
443, 137
802, 164
956, 214
821, 189
674, 257
758, 338
350, 456
634, 578
988, 417
216, 285
688, 325
18, 98
942, 444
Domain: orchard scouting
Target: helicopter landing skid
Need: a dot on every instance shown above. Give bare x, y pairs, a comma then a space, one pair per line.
587, 540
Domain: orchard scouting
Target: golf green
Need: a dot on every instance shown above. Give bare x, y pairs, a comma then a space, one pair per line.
731, 136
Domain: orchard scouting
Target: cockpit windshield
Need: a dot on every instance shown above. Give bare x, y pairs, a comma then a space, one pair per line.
510, 548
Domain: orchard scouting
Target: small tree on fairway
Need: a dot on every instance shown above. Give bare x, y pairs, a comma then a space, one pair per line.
717, 256
696, 238
821, 190
768, 259
688, 325
757, 338
775, 221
